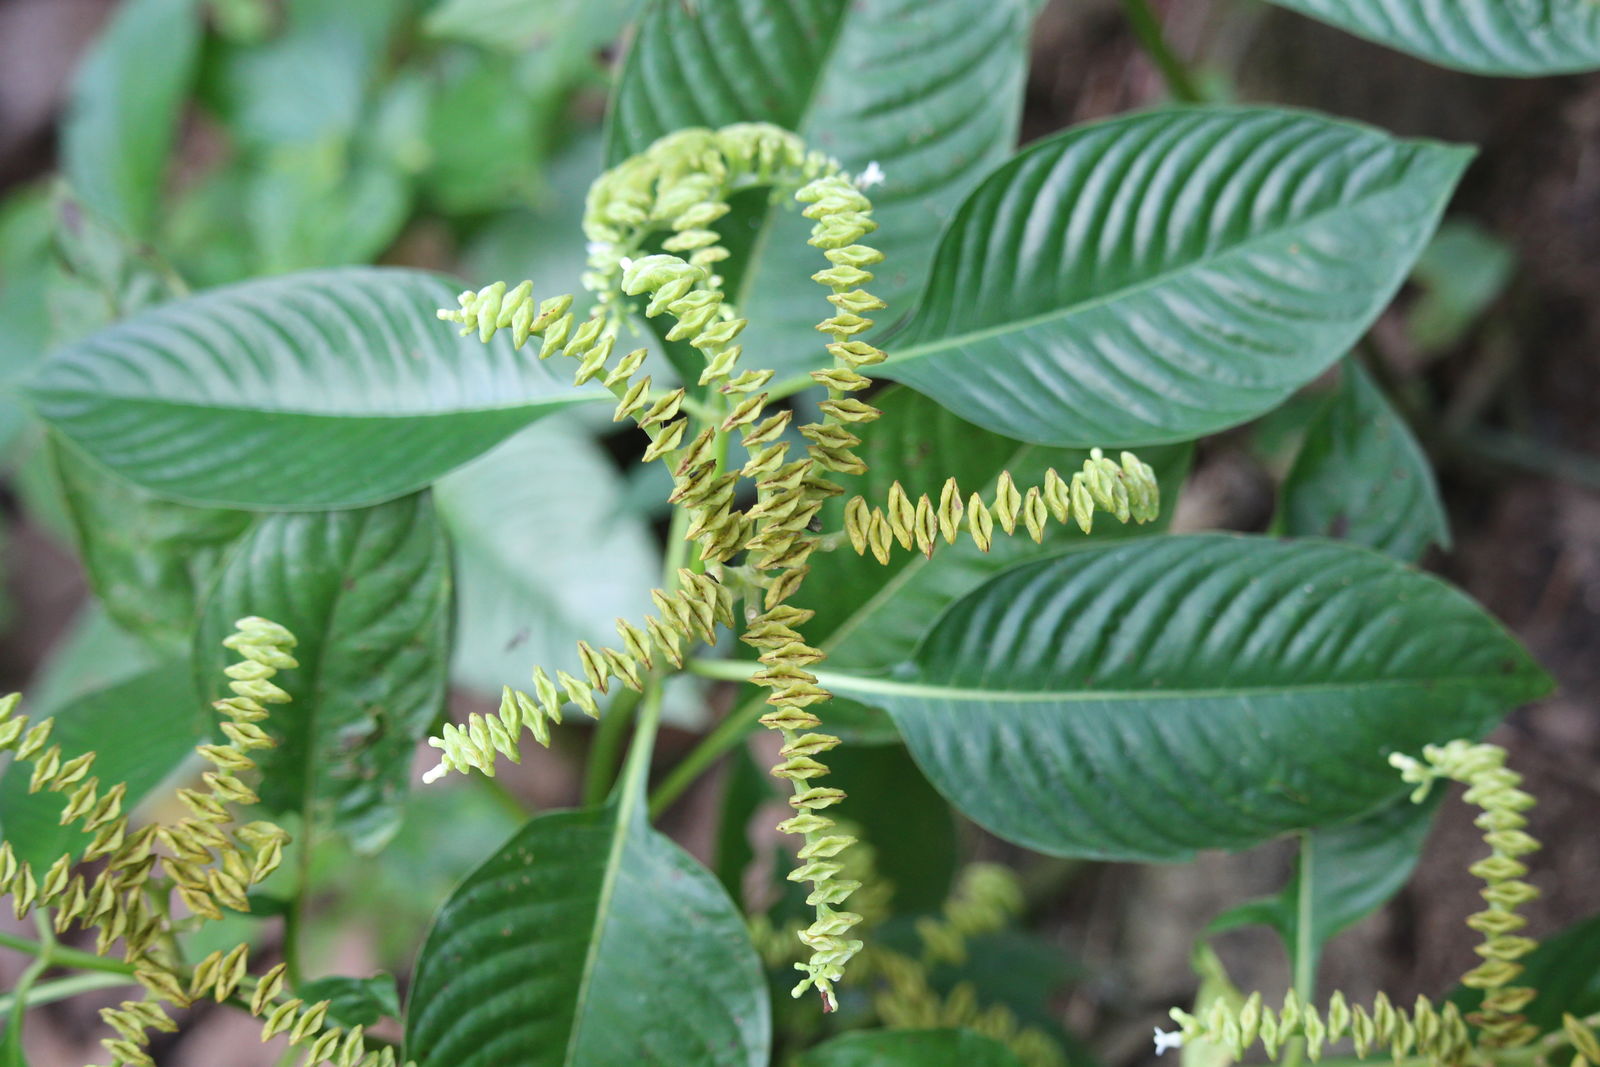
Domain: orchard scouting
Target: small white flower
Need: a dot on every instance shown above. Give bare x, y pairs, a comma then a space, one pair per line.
626, 263
1165, 1040
873, 175
597, 247
434, 774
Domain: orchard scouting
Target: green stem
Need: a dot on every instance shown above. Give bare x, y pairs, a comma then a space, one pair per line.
1305, 941
62, 956
606, 747
1147, 28
62, 988
734, 728
725, 670
294, 919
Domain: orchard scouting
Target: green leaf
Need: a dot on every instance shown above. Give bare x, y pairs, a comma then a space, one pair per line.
142, 727
745, 788
1506, 37
910, 1048
543, 558
1463, 270
354, 1001
1355, 868
589, 938
367, 593
1146, 700
909, 826
326, 389
563, 36
25, 228
1565, 969
149, 561
871, 615
1161, 276
1360, 476
127, 98
930, 90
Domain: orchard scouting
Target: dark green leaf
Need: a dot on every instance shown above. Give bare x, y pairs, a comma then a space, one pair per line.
127, 98
588, 939
367, 593
564, 37
931, 90
871, 615
142, 728
745, 789
317, 390
910, 1048
909, 826
1565, 969
1145, 700
148, 560
25, 225
1162, 276
1355, 868
354, 1001
1360, 476
1507, 37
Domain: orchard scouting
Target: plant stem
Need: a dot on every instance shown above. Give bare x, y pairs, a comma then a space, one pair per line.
1305, 941
726, 670
606, 747
294, 919
62, 956
712, 747
62, 988
1147, 27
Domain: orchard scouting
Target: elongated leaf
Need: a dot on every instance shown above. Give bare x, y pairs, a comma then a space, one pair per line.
1161, 276
1361, 477
1143, 701
589, 938
1355, 868
910, 1048
1508, 37
367, 593
543, 558
127, 98
909, 826
930, 90
141, 727
149, 561
318, 390
872, 615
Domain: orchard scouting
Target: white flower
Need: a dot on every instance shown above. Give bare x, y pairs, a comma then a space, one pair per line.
597, 247
1165, 1040
873, 175
626, 263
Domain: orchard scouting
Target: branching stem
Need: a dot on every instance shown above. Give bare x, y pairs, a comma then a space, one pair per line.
1147, 27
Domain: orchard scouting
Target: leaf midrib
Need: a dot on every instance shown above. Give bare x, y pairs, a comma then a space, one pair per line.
845, 683
953, 341
559, 400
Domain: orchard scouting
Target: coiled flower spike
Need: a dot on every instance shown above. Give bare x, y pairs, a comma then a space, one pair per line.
1440, 1034
681, 185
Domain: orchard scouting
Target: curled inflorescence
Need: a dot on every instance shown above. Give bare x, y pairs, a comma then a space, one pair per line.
1494, 788
211, 861
1441, 1034
1128, 491
681, 186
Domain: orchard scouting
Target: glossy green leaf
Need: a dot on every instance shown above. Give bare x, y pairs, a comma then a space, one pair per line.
149, 561
1565, 969
318, 390
142, 727
1355, 868
910, 1048
1161, 276
367, 593
1146, 700
589, 938
930, 90
1506, 37
909, 826
543, 557
354, 1001
1360, 476
745, 788
871, 615
127, 98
